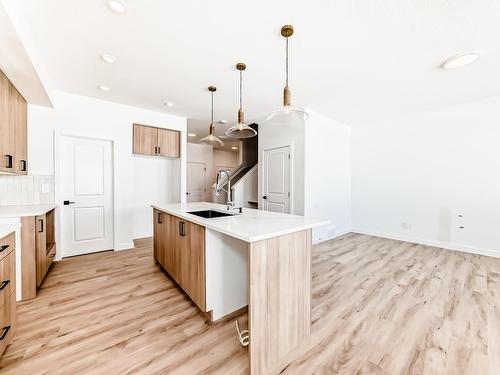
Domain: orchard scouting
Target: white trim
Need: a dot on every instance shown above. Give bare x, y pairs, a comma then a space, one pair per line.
124, 246
334, 237
57, 187
443, 245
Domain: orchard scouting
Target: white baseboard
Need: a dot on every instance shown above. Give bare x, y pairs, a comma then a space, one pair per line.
124, 246
443, 245
337, 235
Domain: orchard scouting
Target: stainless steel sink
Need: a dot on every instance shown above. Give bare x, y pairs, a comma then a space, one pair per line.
209, 214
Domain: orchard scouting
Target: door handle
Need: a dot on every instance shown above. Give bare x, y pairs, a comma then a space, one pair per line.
264, 197
67, 203
41, 225
8, 161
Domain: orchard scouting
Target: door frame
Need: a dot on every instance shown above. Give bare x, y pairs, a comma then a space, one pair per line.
205, 182
290, 176
57, 187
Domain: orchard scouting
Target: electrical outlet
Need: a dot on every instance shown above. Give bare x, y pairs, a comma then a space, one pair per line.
405, 225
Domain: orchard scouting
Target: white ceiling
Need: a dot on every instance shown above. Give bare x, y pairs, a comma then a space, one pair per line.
356, 61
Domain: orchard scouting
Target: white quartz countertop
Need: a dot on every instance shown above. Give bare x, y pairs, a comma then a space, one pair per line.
250, 226
6, 229
28, 210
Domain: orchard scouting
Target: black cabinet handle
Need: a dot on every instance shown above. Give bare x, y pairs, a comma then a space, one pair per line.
159, 150
158, 219
4, 247
23, 165
67, 203
8, 161
182, 228
4, 333
264, 197
4, 284
41, 225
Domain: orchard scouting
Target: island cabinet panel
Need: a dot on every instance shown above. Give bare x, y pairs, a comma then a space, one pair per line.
13, 128
38, 251
280, 300
179, 247
7, 291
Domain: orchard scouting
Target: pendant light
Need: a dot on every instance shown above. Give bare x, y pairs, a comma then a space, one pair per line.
287, 113
241, 130
211, 139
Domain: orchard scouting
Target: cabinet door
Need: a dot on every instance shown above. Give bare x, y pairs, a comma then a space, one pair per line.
191, 254
19, 109
169, 143
41, 248
6, 128
145, 140
164, 241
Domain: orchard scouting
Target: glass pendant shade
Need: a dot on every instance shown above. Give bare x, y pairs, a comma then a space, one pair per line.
287, 113
211, 139
240, 129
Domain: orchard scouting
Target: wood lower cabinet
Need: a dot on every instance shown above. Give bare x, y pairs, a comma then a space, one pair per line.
13, 129
152, 141
7, 290
179, 247
38, 251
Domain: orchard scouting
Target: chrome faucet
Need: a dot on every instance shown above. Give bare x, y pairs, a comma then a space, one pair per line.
218, 187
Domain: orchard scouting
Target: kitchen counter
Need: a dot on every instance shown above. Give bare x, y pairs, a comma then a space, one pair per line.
250, 226
6, 229
25, 210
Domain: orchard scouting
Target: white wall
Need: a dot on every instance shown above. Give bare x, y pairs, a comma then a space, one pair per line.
87, 117
274, 136
414, 176
327, 176
199, 153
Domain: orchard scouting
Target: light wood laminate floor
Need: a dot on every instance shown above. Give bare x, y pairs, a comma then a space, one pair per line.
379, 307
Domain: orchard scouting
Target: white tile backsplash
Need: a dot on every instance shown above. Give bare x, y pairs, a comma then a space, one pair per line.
22, 190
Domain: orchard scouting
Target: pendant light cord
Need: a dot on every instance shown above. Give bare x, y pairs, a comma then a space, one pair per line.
241, 89
212, 122
286, 63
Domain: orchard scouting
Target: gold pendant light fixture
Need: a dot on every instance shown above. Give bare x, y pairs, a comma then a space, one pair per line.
240, 129
287, 113
211, 139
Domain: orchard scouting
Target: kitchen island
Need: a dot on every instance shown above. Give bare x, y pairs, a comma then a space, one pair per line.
257, 258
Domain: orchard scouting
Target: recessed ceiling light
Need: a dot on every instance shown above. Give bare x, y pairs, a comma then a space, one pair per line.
234, 148
104, 88
191, 135
108, 58
222, 122
117, 6
461, 60
169, 104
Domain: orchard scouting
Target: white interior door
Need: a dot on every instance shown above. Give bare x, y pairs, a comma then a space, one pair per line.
86, 183
276, 180
196, 180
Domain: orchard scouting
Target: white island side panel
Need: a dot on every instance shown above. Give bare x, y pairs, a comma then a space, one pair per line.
227, 278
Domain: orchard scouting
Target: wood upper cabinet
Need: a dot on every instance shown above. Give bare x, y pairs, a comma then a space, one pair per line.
153, 141
179, 247
13, 128
168, 143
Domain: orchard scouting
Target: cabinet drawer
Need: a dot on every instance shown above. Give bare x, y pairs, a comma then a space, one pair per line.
7, 322
7, 277
7, 244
